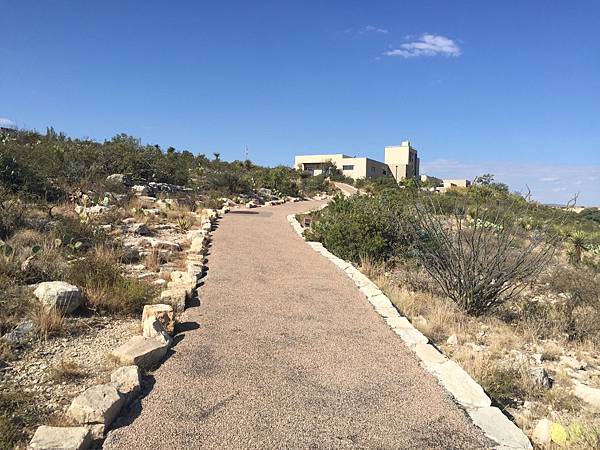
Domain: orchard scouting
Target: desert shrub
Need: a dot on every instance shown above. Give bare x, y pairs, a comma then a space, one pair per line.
70, 231
66, 370
592, 214
578, 316
310, 185
12, 211
478, 254
362, 227
105, 288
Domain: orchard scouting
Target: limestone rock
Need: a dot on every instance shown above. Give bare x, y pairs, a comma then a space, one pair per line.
141, 351
175, 297
541, 432
540, 377
126, 381
60, 295
588, 394
452, 340
497, 427
60, 438
21, 333
573, 363
96, 405
161, 312
153, 328
184, 277
140, 189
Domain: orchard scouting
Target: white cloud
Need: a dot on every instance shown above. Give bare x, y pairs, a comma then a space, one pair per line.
7, 123
374, 29
426, 45
541, 179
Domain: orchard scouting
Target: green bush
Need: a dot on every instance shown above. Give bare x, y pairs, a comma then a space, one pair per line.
363, 227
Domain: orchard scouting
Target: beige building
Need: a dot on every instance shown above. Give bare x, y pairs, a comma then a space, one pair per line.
401, 161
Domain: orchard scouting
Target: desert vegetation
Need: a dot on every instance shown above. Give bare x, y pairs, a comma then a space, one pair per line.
108, 219
507, 287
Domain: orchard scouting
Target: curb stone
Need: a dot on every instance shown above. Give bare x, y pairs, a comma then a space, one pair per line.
464, 389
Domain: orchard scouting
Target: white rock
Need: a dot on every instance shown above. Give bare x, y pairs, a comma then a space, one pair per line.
573, 363
452, 340
588, 394
126, 381
161, 312
174, 297
142, 352
60, 438
96, 405
497, 427
60, 295
184, 277
140, 190
541, 432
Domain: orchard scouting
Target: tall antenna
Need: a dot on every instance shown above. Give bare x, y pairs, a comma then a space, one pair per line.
246, 153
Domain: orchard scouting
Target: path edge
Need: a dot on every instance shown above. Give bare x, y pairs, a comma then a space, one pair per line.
469, 395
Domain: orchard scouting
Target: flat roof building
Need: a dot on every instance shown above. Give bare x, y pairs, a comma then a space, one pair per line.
401, 162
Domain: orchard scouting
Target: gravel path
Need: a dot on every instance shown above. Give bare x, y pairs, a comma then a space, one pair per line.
288, 354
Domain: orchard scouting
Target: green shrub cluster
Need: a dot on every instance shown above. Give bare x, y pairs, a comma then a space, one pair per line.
50, 166
363, 227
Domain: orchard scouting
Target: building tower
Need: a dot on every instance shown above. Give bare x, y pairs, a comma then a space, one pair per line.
402, 160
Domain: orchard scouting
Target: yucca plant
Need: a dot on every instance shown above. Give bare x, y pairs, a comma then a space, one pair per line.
183, 224
579, 243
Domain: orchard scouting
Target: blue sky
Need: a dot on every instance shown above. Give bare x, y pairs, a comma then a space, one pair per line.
510, 87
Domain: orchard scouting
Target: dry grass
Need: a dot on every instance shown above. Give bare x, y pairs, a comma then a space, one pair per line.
156, 259
551, 352
48, 321
66, 371
497, 365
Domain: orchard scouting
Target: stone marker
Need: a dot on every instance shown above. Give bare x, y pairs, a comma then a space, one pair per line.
141, 351
96, 405
163, 313
60, 295
60, 438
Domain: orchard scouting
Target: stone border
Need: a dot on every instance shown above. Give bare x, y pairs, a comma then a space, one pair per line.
466, 391
96, 408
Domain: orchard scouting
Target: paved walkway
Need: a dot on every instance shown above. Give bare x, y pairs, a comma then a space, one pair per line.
288, 354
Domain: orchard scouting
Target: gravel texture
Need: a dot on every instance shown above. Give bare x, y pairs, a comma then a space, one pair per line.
285, 352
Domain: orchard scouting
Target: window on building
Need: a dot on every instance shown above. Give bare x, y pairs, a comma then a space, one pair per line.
348, 167
384, 172
373, 169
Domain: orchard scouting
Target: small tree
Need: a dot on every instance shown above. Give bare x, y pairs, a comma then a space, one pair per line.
478, 254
